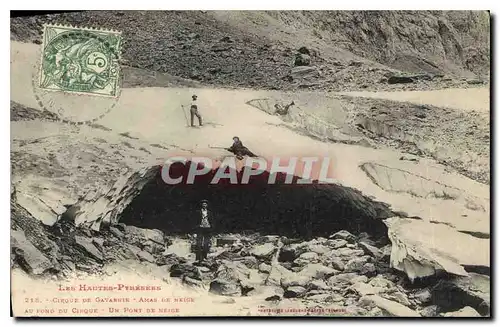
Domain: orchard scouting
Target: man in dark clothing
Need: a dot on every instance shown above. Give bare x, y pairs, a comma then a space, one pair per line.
239, 150
205, 225
194, 111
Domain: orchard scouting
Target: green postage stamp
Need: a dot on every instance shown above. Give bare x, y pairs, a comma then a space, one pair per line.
80, 60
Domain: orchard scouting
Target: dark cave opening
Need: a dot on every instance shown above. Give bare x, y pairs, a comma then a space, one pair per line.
292, 210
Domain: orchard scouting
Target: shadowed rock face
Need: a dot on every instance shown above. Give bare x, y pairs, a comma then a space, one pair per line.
290, 210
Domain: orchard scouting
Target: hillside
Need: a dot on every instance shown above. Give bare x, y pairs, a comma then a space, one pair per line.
342, 50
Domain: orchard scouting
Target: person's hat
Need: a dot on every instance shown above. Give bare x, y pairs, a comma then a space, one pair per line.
236, 137
204, 201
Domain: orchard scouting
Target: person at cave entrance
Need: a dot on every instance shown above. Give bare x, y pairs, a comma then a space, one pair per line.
239, 150
204, 231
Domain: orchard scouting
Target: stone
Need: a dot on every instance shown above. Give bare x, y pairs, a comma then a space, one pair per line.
324, 297
289, 253
356, 264
317, 285
235, 271
304, 72
276, 274
228, 255
154, 235
423, 296
153, 247
464, 312
337, 263
473, 291
146, 256
27, 255
185, 269
250, 262
264, 251
346, 252
420, 248
337, 244
397, 296
266, 291
86, 245
366, 289
302, 59
370, 250
304, 50
341, 280
429, 311
362, 279
39, 209
343, 235
99, 242
306, 258
294, 292
264, 267
318, 248
317, 271
390, 307
273, 298
192, 282
225, 287
399, 80
116, 232
295, 279
379, 281
230, 278
226, 240
368, 269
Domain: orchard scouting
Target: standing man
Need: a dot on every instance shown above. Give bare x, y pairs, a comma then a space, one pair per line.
194, 111
205, 227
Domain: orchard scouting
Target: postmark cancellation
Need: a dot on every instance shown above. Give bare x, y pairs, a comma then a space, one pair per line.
80, 60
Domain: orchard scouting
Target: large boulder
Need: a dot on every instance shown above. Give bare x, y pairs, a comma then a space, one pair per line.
343, 235
295, 279
306, 258
371, 250
229, 278
356, 264
294, 292
317, 285
466, 312
342, 280
337, 244
473, 291
276, 273
317, 271
302, 59
366, 289
86, 245
304, 72
264, 251
184, 269
27, 255
420, 248
289, 253
136, 234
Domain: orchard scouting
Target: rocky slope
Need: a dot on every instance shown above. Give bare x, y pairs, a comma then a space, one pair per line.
285, 50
